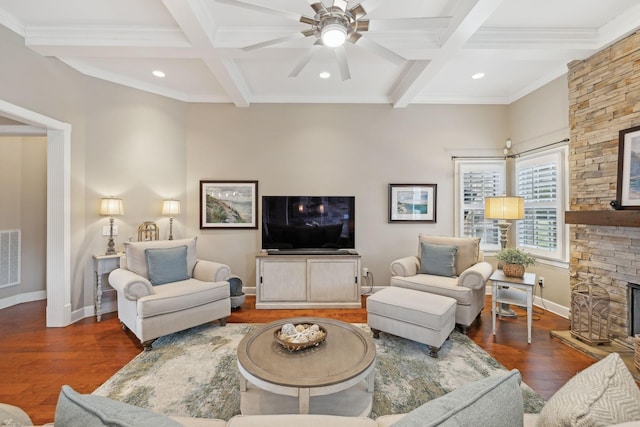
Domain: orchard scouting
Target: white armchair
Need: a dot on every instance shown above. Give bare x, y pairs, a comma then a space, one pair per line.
462, 274
164, 289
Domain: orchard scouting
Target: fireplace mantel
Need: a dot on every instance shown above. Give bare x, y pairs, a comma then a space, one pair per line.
619, 218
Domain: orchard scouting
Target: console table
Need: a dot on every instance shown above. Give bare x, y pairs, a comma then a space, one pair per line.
307, 281
501, 293
103, 265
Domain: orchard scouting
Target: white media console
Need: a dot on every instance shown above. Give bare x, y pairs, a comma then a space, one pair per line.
308, 281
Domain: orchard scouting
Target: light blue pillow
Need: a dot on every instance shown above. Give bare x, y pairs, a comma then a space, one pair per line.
82, 410
494, 401
438, 260
167, 265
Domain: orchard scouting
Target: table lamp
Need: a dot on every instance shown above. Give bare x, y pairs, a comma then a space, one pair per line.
171, 208
110, 206
504, 209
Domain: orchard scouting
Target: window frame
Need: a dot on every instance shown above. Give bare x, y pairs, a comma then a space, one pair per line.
464, 166
559, 156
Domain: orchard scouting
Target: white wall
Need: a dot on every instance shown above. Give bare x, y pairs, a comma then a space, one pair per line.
334, 150
537, 119
23, 193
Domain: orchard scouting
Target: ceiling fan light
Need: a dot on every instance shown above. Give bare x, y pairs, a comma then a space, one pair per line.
334, 35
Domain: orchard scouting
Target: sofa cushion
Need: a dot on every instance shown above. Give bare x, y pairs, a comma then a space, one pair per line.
493, 401
296, 420
468, 249
180, 296
438, 259
82, 410
439, 285
136, 257
13, 416
167, 265
602, 394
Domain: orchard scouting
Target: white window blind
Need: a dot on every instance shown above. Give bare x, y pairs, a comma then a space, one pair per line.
540, 180
475, 181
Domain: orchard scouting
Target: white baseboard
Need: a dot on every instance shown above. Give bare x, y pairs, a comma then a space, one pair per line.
552, 307
108, 306
21, 298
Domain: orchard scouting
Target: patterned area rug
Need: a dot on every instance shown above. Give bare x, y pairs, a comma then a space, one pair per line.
194, 373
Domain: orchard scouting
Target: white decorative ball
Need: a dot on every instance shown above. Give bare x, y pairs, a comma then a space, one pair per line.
288, 329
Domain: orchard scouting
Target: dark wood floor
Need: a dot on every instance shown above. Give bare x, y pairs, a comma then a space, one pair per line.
36, 361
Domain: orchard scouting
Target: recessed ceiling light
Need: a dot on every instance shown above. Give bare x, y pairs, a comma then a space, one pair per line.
324, 75
477, 76
158, 73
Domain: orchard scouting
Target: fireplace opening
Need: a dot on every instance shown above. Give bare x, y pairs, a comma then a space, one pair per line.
633, 298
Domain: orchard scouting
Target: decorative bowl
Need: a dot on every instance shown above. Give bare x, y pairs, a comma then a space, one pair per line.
291, 340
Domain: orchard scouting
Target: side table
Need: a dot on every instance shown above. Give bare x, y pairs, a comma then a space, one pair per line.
103, 265
500, 294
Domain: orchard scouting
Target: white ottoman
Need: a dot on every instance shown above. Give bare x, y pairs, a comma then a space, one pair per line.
415, 315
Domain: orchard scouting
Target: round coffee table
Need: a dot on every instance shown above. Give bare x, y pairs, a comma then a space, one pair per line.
334, 378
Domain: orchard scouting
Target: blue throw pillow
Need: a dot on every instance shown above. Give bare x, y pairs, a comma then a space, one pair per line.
494, 401
167, 265
438, 260
82, 410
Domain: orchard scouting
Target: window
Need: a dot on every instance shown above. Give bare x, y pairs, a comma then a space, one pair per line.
540, 180
476, 180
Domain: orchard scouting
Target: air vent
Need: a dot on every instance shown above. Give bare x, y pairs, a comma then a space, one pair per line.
9, 257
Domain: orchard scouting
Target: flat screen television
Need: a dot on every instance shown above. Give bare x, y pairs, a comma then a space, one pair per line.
308, 222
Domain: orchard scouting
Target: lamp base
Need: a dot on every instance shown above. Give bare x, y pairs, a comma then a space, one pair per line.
111, 247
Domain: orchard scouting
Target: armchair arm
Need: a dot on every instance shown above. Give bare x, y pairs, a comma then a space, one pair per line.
405, 267
476, 276
131, 285
209, 271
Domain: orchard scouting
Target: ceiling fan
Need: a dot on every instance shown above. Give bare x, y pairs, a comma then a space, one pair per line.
334, 25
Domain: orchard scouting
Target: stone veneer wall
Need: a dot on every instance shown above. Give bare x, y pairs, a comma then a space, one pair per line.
604, 98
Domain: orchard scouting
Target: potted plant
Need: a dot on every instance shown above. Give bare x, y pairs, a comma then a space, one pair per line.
514, 261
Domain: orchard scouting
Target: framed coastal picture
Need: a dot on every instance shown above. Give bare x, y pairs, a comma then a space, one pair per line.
412, 202
628, 191
228, 204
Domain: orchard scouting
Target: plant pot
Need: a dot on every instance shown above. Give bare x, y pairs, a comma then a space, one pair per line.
513, 270
237, 301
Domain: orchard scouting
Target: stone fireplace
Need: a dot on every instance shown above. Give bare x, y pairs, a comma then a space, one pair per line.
604, 98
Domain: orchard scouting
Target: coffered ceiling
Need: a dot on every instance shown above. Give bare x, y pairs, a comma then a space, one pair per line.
519, 45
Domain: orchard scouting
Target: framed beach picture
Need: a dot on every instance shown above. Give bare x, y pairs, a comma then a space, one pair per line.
628, 192
412, 202
228, 204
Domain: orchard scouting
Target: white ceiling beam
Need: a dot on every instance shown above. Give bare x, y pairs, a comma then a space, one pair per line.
470, 16
199, 27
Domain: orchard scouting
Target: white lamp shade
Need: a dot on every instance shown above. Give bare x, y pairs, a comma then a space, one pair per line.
504, 207
111, 206
171, 207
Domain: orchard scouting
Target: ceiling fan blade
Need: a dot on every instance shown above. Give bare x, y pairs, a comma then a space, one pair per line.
317, 6
358, 11
274, 41
304, 60
258, 8
343, 64
380, 50
341, 4
432, 23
